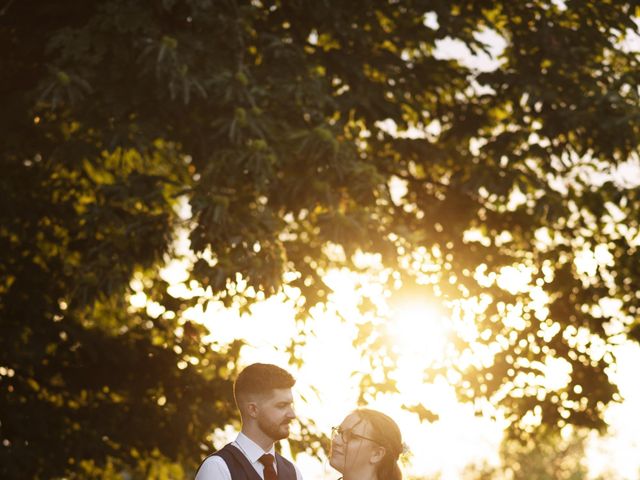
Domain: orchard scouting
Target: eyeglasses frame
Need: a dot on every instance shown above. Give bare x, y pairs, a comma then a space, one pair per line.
341, 431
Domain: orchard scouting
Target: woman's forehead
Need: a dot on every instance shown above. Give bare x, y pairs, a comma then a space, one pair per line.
352, 420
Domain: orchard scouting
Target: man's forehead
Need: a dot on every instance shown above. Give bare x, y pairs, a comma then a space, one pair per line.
281, 395
276, 395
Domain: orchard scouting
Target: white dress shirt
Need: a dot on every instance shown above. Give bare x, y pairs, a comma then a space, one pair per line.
215, 468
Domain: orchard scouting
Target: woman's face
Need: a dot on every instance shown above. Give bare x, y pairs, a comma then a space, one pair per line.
351, 445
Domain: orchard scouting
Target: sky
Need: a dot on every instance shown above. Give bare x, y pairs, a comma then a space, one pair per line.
326, 389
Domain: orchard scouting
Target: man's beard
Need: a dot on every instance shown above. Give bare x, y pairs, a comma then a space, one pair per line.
277, 431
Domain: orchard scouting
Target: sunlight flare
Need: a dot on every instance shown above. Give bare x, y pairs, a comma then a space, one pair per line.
419, 332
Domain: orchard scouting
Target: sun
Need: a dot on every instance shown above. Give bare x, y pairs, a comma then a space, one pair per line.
419, 333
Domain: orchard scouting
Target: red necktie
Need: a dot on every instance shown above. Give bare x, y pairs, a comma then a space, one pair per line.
269, 471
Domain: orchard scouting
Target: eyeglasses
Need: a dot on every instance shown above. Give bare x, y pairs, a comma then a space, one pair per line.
346, 434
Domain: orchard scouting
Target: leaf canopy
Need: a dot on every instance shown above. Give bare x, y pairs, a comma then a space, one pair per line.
270, 120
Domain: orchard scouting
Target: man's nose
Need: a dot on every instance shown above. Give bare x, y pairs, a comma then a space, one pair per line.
291, 413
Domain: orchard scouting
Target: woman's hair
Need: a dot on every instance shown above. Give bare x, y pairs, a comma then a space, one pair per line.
387, 434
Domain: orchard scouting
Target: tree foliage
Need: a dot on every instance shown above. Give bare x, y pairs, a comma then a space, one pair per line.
552, 456
270, 120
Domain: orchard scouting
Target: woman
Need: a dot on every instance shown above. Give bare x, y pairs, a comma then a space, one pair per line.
366, 446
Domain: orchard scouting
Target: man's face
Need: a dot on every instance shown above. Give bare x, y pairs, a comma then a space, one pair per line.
275, 412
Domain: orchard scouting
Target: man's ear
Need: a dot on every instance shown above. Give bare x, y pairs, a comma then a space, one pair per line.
252, 409
377, 454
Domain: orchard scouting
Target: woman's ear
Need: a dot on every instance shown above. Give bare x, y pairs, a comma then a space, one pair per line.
377, 454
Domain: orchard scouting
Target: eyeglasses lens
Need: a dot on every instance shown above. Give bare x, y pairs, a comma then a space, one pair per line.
345, 434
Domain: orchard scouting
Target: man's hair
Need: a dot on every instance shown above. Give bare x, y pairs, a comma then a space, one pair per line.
260, 378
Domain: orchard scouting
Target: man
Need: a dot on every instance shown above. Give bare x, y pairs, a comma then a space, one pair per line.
263, 397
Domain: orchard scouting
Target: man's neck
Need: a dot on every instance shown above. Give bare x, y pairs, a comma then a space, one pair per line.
259, 437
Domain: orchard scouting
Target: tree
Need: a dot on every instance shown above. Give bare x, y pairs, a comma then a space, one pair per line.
551, 456
269, 119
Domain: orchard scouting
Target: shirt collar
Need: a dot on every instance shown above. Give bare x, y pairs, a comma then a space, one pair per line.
252, 450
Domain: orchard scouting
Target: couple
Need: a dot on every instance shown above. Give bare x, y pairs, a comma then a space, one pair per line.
366, 446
